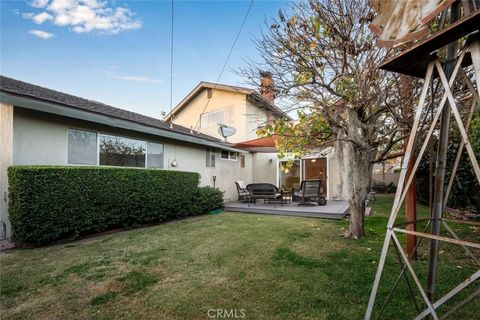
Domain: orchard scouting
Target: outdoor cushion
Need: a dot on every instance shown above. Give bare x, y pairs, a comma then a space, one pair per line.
241, 184
243, 193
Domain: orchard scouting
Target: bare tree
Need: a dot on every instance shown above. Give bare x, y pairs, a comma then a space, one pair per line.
323, 59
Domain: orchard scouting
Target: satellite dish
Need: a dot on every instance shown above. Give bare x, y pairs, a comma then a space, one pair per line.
226, 131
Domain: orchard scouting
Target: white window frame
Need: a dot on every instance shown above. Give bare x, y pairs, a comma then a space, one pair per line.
210, 151
98, 133
229, 156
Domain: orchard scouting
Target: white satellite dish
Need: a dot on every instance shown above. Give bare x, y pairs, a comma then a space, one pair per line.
226, 131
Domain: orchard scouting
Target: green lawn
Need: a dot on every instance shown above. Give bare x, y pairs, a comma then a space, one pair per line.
272, 267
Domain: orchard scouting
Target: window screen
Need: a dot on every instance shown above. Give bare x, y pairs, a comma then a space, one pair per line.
82, 147
154, 155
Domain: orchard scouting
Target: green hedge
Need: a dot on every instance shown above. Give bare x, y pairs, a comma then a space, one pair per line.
207, 199
50, 203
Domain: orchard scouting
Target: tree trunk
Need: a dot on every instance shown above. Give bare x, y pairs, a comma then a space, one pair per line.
358, 184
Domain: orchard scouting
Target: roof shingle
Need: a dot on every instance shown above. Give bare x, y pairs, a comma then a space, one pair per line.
26, 89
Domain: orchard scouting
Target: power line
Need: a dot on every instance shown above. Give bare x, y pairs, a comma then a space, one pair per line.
171, 64
226, 61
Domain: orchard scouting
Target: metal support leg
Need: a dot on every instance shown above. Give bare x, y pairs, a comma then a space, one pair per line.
396, 203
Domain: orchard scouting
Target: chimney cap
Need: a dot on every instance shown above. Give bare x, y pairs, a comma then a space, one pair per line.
266, 74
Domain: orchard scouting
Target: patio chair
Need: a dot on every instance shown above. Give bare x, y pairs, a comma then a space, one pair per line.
265, 191
243, 194
309, 192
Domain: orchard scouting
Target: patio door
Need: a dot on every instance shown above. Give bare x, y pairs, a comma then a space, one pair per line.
289, 178
316, 169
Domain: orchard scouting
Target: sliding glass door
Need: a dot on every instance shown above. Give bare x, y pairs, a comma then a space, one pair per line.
289, 177
316, 169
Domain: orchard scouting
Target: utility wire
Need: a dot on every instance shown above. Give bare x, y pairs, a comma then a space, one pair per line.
171, 66
226, 61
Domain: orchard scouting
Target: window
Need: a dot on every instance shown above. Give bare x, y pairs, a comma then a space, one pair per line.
210, 157
242, 161
123, 152
154, 155
109, 150
82, 147
226, 155
212, 119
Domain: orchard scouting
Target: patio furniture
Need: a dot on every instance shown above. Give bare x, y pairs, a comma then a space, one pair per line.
309, 192
286, 197
265, 191
243, 193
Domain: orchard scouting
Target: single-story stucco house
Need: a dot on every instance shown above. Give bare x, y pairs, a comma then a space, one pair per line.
40, 126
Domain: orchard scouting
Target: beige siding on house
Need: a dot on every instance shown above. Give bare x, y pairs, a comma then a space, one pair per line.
6, 159
242, 115
189, 116
255, 118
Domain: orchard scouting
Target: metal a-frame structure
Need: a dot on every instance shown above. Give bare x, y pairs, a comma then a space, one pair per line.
421, 61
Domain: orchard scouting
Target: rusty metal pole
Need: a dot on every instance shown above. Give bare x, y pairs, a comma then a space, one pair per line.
438, 196
410, 199
411, 214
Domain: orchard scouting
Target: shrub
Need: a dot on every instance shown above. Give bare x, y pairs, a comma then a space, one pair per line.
50, 203
382, 187
379, 186
207, 199
391, 188
465, 193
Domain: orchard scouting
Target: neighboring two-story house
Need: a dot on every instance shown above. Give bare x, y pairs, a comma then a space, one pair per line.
210, 104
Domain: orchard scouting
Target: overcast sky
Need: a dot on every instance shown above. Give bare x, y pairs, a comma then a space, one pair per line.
118, 52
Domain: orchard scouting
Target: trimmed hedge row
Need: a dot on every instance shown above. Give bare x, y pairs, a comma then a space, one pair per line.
51, 203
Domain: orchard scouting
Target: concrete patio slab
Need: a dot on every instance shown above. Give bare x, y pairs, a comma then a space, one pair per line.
333, 210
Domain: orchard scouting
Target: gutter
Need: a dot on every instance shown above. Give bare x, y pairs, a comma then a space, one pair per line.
75, 113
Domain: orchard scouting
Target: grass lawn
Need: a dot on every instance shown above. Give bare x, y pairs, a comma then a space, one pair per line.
273, 267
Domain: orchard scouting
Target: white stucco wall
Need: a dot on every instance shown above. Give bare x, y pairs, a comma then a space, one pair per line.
263, 169
6, 159
38, 140
334, 178
192, 158
42, 139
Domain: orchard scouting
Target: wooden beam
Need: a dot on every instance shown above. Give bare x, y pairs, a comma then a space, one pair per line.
414, 61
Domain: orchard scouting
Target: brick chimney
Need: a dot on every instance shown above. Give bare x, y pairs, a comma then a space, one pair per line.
267, 86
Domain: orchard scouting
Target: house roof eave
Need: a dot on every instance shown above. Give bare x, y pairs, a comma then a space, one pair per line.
30, 103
